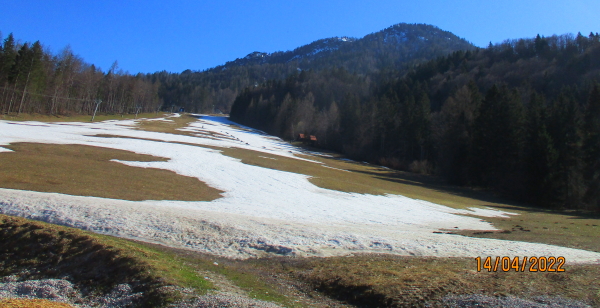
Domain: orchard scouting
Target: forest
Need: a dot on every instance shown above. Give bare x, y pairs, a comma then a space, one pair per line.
521, 117
389, 50
33, 80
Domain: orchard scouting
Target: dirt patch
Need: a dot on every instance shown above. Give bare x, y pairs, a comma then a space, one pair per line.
170, 125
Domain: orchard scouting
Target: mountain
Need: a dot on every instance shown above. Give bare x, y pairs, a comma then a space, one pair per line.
395, 45
391, 49
313, 50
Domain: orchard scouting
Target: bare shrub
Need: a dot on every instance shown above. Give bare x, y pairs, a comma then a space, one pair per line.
421, 166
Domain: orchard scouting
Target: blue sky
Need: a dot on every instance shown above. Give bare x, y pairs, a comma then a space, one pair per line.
148, 36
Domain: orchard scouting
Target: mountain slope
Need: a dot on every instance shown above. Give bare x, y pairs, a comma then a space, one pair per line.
316, 49
396, 44
390, 49
521, 117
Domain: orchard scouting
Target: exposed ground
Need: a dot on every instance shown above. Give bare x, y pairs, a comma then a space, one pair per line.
78, 118
90, 266
80, 170
270, 198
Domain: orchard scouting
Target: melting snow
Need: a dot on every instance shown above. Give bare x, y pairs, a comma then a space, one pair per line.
262, 210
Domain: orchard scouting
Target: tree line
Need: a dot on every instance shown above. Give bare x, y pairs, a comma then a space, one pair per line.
33, 80
521, 117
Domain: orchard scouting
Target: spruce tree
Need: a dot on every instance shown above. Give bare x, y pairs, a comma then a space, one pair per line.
540, 153
453, 131
9, 56
591, 147
565, 130
498, 140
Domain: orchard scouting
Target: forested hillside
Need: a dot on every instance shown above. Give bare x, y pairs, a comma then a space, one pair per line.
32, 80
390, 49
521, 117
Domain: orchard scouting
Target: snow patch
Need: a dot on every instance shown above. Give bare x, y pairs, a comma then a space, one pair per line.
262, 210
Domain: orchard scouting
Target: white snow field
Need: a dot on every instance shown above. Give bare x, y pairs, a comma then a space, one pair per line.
262, 210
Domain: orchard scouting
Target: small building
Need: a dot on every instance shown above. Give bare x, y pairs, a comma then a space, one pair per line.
307, 139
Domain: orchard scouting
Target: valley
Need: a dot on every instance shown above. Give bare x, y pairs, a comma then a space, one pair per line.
260, 202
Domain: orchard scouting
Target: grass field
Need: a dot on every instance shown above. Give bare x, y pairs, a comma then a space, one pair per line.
79, 118
377, 280
89, 171
363, 279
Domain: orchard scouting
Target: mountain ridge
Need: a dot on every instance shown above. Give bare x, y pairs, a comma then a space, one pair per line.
414, 35
394, 49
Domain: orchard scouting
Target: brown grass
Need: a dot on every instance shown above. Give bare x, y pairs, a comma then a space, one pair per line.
563, 228
88, 171
368, 179
32, 303
377, 280
35, 250
394, 281
170, 127
79, 118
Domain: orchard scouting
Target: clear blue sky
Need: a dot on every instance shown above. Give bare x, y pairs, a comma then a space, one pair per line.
154, 35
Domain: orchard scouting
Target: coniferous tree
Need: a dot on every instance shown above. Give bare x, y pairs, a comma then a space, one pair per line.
454, 133
565, 131
9, 56
498, 140
7, 73
540, 153
543, 154
591, 147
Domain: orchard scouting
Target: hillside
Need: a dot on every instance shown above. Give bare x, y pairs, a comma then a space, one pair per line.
519, 117
32, 80
393, 49
390, 48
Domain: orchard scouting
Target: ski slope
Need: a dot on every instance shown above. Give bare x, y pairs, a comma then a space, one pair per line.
262, 211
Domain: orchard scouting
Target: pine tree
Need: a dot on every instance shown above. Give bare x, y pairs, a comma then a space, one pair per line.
9, 56
540, 153
453, 130
565, 130
7, 62
591, 147
498, 140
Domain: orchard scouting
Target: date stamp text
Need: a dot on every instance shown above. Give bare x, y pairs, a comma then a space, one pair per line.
521, 264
